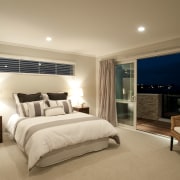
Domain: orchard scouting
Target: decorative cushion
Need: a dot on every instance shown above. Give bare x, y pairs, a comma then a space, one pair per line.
65, 103
32, 109
57, 96
177, 129
19, 109
54, 111
20, 98
22, 109
29, 97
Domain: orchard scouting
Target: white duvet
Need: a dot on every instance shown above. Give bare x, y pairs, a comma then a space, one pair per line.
51, 138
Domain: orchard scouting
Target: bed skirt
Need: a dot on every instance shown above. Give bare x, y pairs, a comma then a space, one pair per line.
69, 152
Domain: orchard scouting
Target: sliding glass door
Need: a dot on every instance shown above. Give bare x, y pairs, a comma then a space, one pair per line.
126, 93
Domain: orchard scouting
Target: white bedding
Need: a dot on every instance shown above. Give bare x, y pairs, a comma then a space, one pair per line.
51, 138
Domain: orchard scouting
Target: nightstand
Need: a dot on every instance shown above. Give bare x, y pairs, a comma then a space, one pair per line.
82, 109
1, 138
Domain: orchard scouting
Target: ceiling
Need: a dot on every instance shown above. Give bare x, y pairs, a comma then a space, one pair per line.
89, 27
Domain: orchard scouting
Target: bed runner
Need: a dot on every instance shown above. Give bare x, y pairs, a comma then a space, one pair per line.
45, 125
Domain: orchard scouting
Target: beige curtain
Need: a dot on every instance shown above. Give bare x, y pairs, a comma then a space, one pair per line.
107, 106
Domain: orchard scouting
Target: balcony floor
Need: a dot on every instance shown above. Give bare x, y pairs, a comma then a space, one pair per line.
154, 126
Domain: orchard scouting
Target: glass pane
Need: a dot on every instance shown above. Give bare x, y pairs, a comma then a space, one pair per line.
125, 93
47, 68
9, 65
125, 112
125, 81
29, 66
65, 69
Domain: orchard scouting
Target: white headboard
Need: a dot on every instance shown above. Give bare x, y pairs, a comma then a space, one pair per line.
27, 83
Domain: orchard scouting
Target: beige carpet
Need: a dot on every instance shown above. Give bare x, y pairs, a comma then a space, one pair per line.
139, 157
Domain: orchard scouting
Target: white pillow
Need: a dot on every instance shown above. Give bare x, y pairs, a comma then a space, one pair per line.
54, 111
45, 97
22, 109
177, 129
19, 108
15, 96
65, 103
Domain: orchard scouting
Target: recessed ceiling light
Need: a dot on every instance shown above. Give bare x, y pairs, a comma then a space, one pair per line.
48, 39
141, 28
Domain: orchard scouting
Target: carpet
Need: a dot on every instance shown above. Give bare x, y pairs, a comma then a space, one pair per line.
140, 156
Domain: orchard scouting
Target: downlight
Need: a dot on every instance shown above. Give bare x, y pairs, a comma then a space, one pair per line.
49, 39
141, 29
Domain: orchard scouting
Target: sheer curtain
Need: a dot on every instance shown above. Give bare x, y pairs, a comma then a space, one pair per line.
107, 106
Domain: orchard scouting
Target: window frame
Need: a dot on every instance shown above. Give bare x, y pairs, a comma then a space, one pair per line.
69, 67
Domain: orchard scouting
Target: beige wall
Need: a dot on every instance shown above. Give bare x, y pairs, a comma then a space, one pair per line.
85, 73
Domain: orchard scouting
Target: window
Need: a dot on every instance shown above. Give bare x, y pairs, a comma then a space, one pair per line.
29, 66
47, 68
37, 67
65, 69
7, 65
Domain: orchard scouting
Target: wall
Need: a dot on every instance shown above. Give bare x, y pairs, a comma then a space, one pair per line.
85, 73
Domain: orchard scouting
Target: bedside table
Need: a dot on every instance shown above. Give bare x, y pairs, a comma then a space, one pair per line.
82, 109
1, 138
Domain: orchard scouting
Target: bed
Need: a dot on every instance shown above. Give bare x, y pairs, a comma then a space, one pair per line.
48, 131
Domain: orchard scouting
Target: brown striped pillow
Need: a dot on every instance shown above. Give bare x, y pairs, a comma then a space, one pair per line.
33, 109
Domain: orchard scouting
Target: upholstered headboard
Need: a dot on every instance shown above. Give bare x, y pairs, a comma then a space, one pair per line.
11, 83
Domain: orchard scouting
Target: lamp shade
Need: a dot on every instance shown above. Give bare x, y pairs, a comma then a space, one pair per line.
77, 92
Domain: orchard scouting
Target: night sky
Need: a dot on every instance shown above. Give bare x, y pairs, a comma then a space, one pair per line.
161, 70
